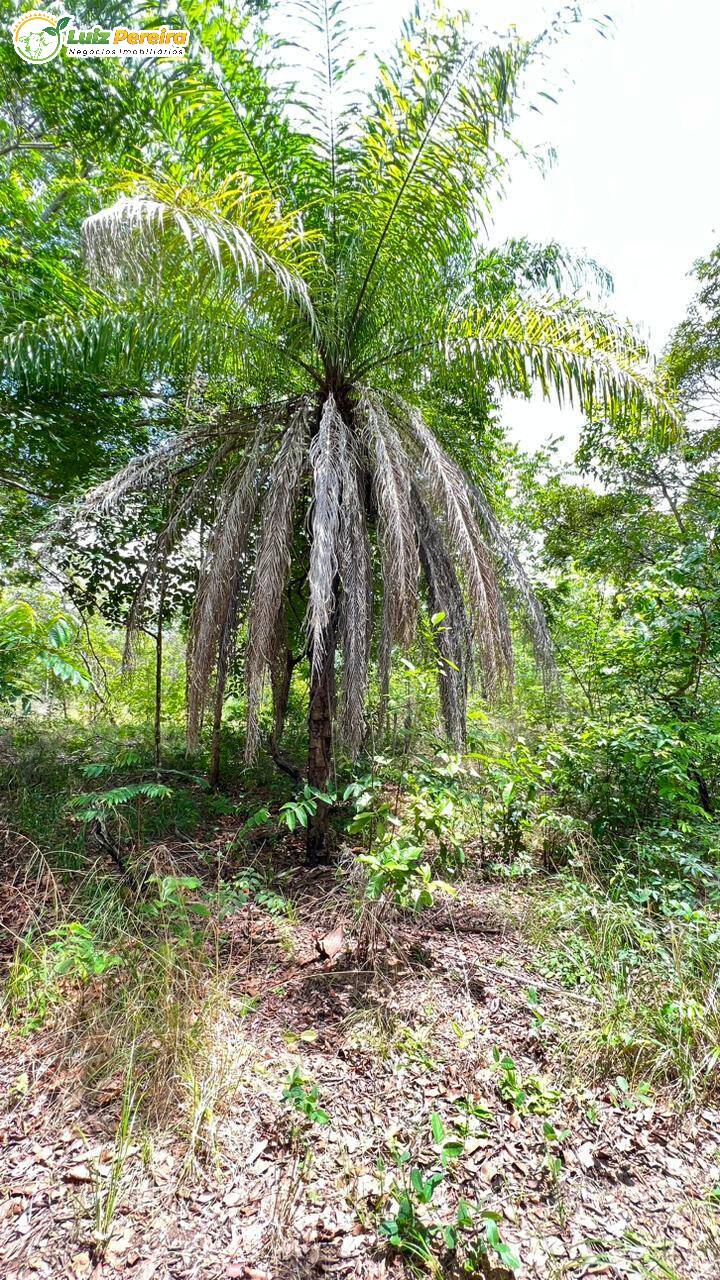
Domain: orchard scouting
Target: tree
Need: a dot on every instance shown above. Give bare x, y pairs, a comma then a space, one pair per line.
314, 260
632, 564
693, 355
64, 128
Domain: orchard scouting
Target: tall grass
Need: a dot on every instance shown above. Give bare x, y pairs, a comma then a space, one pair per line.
656, 979
132, 985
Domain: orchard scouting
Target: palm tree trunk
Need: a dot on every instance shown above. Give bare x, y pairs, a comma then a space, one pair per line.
320, 720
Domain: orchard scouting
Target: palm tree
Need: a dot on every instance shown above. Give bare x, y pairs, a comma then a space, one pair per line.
317, 252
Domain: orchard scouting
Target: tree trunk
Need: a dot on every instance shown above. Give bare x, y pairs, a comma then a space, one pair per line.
217, 729
281, 679
223, 668
157, 734
320, 719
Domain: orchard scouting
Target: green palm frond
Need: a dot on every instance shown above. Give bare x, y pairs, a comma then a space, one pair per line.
133, 232
522, 265
579, 356
431, 150
219, 107
170, 340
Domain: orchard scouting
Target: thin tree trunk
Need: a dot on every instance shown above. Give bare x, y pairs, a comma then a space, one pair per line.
158, 674
223, 668
281, 679
217, 725
320, 720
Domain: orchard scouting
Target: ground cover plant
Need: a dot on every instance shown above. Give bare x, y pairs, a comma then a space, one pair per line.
358, 770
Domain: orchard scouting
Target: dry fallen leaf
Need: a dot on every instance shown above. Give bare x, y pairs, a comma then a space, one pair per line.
332, 943
81, 1266
584, 1155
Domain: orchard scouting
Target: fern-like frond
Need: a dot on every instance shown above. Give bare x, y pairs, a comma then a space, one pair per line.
131, 234
577, 355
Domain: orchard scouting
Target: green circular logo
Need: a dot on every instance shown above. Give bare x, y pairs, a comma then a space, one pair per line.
37, 37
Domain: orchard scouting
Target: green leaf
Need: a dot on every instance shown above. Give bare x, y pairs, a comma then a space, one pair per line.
464, 1214
64, 671
450, 1237
506, 1256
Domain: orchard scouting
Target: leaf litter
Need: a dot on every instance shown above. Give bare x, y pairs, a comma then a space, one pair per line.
435, 1047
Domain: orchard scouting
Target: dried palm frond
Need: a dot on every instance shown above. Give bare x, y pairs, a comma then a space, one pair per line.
325, 461
144, 472
125, 236
454, 635
167, 540
396, 527
449, 491
355, 567
533, 612
272, 562
215, 597
227, 640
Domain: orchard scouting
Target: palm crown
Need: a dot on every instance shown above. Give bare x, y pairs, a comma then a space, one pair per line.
319, 254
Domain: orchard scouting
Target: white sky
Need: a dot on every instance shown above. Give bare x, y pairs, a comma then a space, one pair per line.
637, 178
